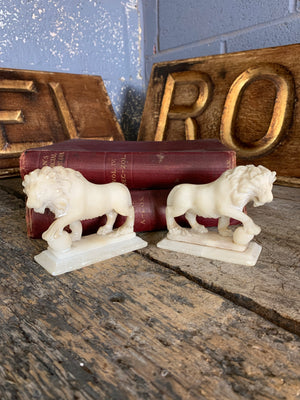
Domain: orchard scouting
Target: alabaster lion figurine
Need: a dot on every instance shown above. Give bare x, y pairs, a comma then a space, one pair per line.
224, 198
72, 199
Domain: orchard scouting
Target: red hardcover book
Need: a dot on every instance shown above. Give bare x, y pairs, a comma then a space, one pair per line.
149, 206
138, 165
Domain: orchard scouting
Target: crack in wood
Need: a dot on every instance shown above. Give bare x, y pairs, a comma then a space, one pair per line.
272, 316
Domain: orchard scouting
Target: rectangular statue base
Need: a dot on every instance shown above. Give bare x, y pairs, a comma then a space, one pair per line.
89, 250
247, 257
210, 239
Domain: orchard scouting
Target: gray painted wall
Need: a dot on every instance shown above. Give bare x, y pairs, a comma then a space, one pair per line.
80, 36
177, 29
121, 39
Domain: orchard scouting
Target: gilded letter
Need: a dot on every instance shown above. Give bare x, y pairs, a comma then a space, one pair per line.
13, 116
282, 111
184, 112
63, 110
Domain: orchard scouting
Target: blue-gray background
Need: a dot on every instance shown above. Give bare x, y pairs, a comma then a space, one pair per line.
120, 40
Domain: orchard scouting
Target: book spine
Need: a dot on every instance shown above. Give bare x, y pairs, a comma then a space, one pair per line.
138, 170
149, 206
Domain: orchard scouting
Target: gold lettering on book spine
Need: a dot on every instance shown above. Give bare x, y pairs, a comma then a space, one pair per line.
123, 168
141, 203
187, 113
113, 165
282, 111
53, 159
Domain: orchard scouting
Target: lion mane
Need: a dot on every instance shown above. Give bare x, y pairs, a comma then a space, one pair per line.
57, 179
247, 178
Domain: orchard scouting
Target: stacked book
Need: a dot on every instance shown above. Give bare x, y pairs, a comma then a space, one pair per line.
149, 169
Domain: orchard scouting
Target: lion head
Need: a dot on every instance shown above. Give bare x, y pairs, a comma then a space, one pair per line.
251, 183
50, 188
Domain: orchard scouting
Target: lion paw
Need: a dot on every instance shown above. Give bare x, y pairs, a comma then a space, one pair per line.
178, 231
124, 230
252, 229
225, 232
104, 230
75, 236
199, 229
48, 235
256, 230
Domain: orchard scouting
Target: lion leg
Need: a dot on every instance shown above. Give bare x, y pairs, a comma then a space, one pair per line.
108, 227
250, 227
130, 219
223, 224
128, 225
191, 217
76, 228
171, 223
56, 228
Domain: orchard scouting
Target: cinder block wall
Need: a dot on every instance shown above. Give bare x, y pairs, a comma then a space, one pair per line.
120, 40
177, 29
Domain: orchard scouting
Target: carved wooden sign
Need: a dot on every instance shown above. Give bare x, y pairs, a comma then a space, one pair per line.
40, 108
248, 99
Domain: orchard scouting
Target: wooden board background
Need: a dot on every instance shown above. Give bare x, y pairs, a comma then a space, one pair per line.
197, 98
40, 108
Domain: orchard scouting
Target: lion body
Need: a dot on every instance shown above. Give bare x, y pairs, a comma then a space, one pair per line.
72, 199
224, 198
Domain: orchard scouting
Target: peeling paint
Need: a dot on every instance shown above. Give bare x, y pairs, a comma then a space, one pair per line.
93, 37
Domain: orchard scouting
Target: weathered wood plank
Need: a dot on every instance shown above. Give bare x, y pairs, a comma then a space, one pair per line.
128, 329
247, 99
272, 287
39, 108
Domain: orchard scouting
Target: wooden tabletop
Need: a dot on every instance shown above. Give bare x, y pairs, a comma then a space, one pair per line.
152, 324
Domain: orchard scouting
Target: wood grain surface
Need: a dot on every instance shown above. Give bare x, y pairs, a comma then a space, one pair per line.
140, 326
272, 287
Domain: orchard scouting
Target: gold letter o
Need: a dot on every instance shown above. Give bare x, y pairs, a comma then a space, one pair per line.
282, 111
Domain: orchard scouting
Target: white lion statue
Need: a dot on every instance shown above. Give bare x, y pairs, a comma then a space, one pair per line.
224, 198
72, 199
